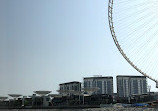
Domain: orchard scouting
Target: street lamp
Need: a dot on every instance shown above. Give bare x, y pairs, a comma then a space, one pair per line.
149, 87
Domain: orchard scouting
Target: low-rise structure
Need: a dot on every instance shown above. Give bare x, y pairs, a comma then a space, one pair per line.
75, 85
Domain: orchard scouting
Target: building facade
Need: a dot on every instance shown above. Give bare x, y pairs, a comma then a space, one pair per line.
131, 85
105, 84
75, 86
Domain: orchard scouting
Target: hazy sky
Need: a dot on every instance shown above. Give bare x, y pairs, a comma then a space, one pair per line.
47, 42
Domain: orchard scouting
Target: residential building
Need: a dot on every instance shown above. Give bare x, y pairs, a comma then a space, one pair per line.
131, 85
105, 84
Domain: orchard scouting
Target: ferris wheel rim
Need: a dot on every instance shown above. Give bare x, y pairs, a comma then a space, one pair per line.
110, 18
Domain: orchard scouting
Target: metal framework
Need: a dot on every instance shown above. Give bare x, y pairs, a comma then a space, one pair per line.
110, 17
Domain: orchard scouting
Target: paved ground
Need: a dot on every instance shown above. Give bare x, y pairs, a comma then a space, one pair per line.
93, 109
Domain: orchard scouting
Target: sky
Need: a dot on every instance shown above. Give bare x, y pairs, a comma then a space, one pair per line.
47, 42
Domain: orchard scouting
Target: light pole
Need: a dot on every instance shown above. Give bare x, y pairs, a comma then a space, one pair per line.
149, 87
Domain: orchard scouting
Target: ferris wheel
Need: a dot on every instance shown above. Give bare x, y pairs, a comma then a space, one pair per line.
134, 29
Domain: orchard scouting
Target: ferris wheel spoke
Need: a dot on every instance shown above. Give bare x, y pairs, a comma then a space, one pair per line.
134, 28
130, 7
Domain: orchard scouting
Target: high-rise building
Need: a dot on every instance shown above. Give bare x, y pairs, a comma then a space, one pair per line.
130, 85
105, 84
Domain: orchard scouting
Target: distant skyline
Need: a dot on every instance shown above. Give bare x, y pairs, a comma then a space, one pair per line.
47, 42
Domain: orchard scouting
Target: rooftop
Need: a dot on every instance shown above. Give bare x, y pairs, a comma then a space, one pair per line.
133, 76
70, 83
105, 77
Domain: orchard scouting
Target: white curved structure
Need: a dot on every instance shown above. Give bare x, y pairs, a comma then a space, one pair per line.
42, 93
127, 32
90, 91
65, 92
2, 98
15, 96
